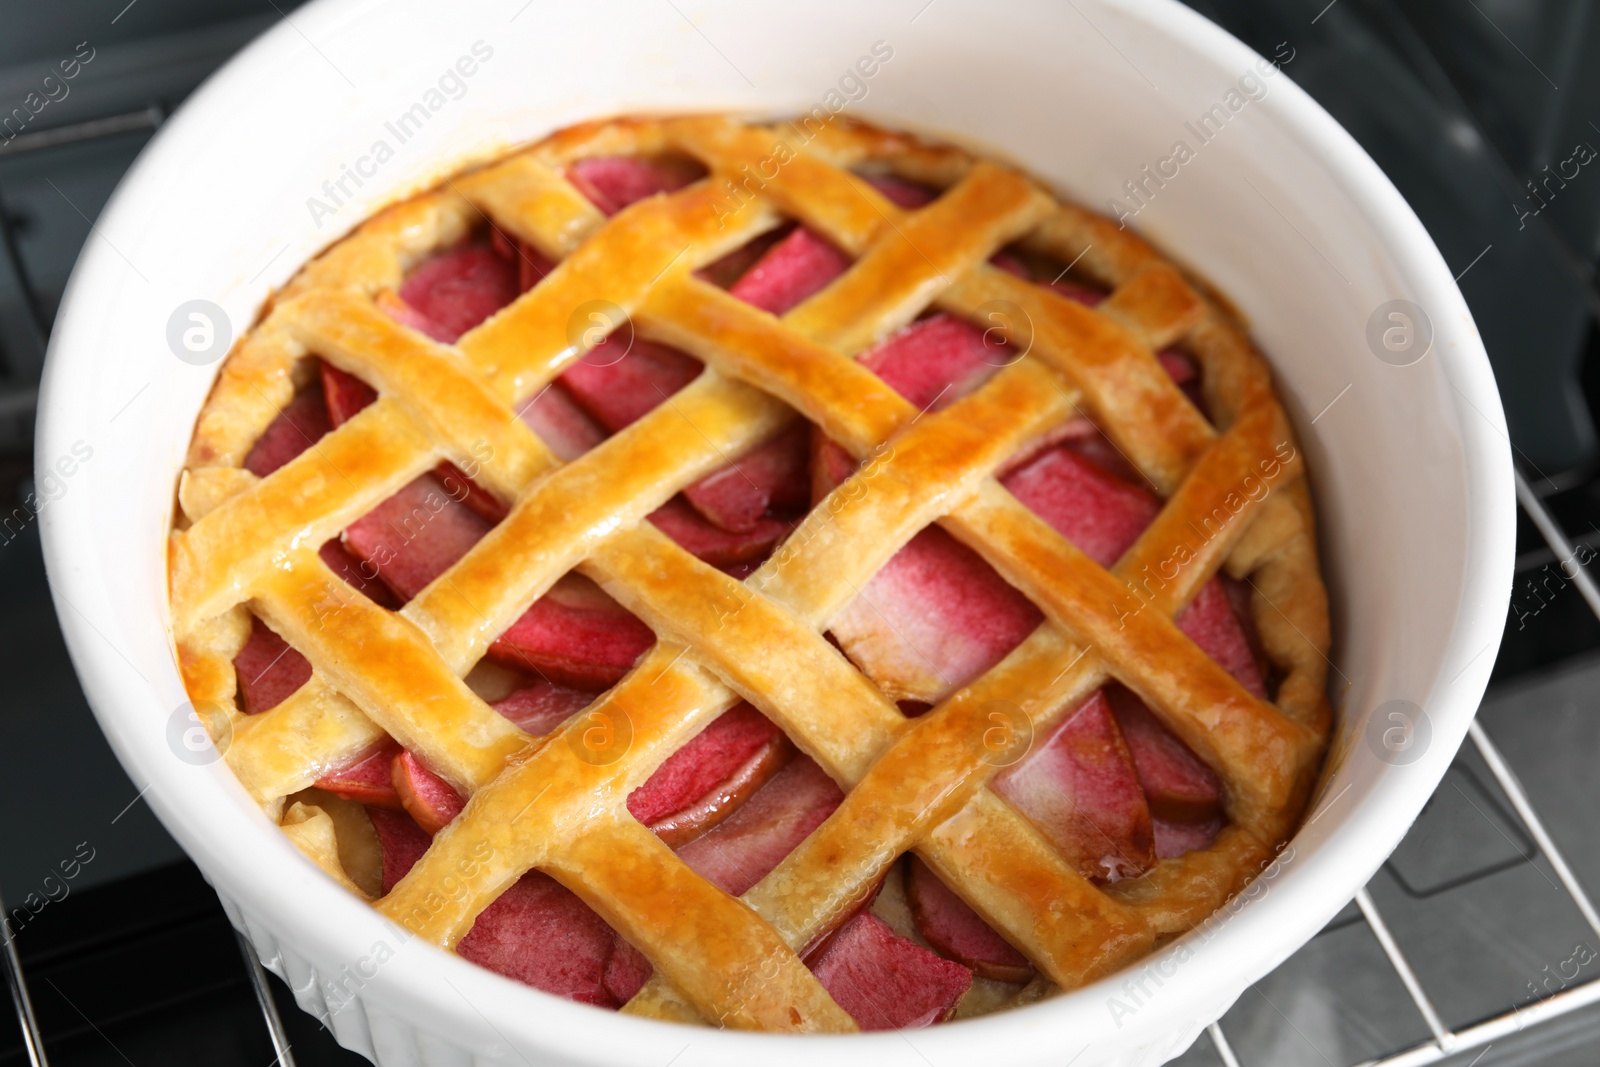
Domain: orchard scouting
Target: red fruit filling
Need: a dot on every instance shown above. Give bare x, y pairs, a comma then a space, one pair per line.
541, 934
362, 576
541, 707
620, 380
575, 635
366, 778
1110, 785
560, 423
887, 982
457, 289
428, 798
537, 932
738, 853
1079, 787
937, 616
1177, 786
772, 477
907, 194
706, 780
295, 429
796, 267
614, 182
268, 670
415, 535
952, 927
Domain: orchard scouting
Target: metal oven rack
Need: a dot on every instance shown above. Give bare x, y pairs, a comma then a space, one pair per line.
17, 398
17, 401
1445, 1043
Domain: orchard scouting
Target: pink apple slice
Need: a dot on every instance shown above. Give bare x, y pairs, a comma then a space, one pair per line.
539, 708
937, 360
1211, 622
345, 393
1011, 263
831, 465
269, 670
537, 932
1080, 788
708, 779
428, 798
793, 269
626, 971
415, 535
736, 264
560, 423
621, 380
1100, 514
1178, 786
575, 635
740, 851
932, 619
296, 428
902, 191
531, 264
403, 842
772, 477
357, 573
366, 777
388, 302
614, 182
887, 982
717, 546
1174, 839
952, 927
541, 934
459, 288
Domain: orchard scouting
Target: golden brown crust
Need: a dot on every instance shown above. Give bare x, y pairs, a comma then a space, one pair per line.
920, 785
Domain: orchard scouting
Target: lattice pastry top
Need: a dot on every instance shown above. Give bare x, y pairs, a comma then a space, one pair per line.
790, 577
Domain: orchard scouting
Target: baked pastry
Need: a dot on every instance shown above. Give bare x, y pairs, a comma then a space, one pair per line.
792, 577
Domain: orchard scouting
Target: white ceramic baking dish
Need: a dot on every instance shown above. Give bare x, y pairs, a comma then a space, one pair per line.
1277, 206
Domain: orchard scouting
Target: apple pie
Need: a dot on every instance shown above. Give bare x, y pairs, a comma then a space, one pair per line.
794, 577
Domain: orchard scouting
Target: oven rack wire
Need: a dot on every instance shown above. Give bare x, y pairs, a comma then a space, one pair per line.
1444, 1042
